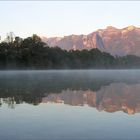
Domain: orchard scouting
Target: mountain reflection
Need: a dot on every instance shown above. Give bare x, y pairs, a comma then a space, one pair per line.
100, 91
112, 98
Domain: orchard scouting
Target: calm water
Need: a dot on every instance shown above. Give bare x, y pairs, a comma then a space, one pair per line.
70, 105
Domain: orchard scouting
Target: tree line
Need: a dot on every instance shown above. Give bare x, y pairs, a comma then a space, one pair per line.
32, 53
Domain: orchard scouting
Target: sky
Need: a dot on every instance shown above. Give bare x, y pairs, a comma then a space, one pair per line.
60, 18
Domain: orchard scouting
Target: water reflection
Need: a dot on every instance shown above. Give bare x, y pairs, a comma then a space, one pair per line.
112, 98
108, 91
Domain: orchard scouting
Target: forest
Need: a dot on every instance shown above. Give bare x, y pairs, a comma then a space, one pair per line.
32, 53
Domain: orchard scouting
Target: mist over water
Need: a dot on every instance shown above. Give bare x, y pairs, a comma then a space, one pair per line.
69, 104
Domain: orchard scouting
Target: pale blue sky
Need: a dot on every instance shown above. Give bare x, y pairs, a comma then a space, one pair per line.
59, 18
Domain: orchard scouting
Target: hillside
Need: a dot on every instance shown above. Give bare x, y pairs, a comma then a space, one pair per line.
112, 40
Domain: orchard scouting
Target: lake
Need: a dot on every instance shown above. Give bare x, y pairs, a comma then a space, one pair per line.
70, 105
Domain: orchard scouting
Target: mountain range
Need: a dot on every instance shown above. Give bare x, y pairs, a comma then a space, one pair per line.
112, 40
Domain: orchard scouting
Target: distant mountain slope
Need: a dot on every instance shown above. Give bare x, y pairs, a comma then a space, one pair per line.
115, 41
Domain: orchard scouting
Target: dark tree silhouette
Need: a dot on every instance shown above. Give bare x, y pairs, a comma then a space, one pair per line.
32, 53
